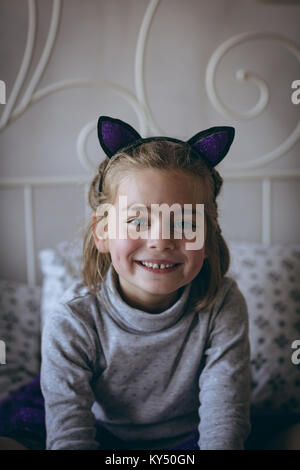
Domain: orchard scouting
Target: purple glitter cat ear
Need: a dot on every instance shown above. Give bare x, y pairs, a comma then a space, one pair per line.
213, 143
115, 134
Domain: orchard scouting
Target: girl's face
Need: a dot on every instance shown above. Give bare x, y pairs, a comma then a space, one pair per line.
145, 287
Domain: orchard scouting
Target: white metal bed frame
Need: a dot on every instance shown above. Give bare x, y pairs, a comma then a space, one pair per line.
250, 170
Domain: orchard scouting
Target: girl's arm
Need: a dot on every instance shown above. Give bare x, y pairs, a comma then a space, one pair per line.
66, 376
225, 381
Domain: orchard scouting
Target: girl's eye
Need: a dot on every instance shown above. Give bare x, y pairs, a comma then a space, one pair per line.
140, 223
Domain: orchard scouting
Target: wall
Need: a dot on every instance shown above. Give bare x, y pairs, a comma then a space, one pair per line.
96, 40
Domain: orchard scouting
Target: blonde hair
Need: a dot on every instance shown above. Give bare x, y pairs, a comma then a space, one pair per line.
167, 156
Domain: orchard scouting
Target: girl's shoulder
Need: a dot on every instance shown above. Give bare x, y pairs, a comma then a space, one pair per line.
229, 290
228, 284
75, 304
229, 300
79, 299
227, 294
76, 290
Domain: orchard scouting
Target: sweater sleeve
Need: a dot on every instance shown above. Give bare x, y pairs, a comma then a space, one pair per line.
225, 381
66, 376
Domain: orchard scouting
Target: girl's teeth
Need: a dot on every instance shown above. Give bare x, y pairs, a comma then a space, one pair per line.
156, 266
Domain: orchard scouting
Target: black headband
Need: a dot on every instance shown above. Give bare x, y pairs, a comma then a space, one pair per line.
210, 144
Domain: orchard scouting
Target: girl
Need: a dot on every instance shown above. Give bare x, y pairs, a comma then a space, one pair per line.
151, 350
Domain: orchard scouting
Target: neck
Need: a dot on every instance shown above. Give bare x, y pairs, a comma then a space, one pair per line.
150, 303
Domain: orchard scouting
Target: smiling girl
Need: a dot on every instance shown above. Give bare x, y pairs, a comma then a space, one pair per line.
151, 349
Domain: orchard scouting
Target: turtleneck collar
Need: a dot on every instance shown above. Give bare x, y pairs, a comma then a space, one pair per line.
134, 319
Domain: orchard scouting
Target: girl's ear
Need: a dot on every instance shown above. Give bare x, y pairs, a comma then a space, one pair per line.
114, 134
213, 143
100, 235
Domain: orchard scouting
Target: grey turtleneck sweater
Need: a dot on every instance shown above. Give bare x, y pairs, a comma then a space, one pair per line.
146, 377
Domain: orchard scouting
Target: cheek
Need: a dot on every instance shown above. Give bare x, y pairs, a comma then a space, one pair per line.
196, 259
121, 250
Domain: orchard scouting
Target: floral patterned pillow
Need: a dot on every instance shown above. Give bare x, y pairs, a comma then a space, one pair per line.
20, 333
269, 278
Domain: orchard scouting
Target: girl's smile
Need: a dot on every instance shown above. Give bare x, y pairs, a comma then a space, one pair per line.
151, 270
159, 266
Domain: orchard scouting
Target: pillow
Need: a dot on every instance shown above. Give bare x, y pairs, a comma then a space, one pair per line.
60, 268
269, 278
20, 332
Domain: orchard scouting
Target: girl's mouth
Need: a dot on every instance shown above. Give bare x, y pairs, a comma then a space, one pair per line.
158, 267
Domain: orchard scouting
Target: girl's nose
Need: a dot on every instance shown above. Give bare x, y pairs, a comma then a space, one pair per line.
161, 244
161, 239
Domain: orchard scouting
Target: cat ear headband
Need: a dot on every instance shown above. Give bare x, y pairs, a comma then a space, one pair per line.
211, 144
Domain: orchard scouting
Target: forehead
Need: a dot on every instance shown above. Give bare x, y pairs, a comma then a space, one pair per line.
149, 186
